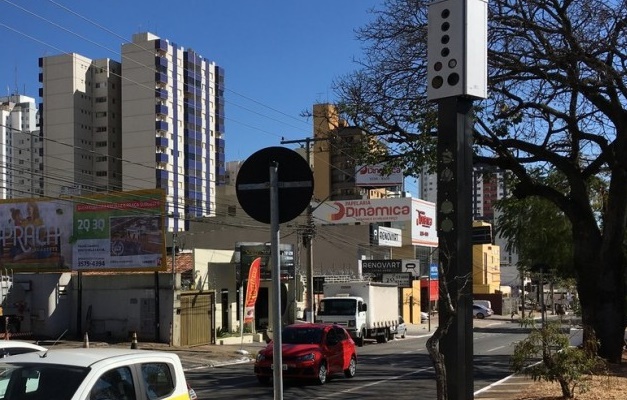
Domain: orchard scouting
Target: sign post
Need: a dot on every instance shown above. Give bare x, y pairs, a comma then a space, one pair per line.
281, 199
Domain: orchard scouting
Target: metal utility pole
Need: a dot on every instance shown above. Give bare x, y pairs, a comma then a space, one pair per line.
308, 235
456, 75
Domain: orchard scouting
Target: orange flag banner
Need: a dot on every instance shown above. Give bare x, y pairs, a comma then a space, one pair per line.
252, 289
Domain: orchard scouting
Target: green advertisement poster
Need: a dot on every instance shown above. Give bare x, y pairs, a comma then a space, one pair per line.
119, 231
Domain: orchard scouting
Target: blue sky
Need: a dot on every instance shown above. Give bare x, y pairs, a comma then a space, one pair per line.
280, 56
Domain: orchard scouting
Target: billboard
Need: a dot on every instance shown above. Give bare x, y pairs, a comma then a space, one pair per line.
247, 252
423, 226
373, 175
122, 230
363, 211
35, 235
416, 214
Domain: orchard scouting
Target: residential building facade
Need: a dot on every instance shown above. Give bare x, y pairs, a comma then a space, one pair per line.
21, 164
173, 98
81, 124
153, 120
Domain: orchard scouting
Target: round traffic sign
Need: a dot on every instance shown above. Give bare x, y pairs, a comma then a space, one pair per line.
295, 184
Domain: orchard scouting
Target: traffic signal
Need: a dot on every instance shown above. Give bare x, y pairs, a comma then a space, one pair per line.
457, 49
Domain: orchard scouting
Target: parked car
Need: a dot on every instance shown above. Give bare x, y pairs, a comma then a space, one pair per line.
94, 374
310, 351
424, 317
15, 347
480, 312
401, 329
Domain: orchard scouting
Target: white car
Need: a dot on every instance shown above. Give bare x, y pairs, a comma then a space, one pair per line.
15, 347
94, 374
480, 312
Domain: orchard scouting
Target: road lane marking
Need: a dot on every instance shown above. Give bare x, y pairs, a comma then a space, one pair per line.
374, 383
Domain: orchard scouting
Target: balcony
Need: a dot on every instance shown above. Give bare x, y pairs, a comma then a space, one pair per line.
161, 158
161, 142
161, 62
161, 126
161, 109
161, 94
162, 175
161, 78
161, 46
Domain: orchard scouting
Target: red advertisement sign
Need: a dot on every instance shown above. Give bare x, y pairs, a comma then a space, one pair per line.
252, 288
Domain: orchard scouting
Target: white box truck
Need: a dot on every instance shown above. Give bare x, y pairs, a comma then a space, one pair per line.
368, 310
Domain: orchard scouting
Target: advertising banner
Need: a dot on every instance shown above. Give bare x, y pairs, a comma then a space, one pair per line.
35, 235
246, 252
423, 228
119, 231
252, 289
123, 230
364, 211
373, 176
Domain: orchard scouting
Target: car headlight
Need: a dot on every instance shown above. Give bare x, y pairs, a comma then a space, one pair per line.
307, 357
351, 323
261, 357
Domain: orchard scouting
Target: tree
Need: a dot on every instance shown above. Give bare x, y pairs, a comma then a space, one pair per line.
529, 224
557, 96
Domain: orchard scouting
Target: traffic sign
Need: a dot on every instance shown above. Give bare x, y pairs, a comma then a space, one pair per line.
295, 181
433, 271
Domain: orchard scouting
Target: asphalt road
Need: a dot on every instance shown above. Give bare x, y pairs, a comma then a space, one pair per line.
400, 368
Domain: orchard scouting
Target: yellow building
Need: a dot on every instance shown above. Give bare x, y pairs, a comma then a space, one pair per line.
486, 266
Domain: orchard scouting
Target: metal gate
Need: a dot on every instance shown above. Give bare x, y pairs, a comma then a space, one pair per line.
197, 318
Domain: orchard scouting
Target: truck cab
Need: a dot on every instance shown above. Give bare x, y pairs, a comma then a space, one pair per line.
349, 312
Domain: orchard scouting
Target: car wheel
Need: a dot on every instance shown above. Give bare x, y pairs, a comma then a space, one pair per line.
480, 316
322, 373
352, 368
360, 339
264, 380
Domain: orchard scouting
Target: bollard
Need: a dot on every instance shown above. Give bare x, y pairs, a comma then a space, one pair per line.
134, 342
86, 341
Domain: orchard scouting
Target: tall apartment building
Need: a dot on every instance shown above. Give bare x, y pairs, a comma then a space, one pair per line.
81, 123
487, 187
173, 99
21, 164
155, 120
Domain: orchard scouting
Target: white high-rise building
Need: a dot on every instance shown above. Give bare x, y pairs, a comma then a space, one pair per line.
81, 125
173, 120
155, 120
20, 149
488, 186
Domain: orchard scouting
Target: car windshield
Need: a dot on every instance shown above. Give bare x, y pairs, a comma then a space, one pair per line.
337, 307
39, 381
301, 336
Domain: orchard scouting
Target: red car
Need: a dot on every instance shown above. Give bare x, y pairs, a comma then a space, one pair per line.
310, 351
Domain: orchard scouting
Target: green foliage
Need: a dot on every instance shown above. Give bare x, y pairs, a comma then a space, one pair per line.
571, 367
